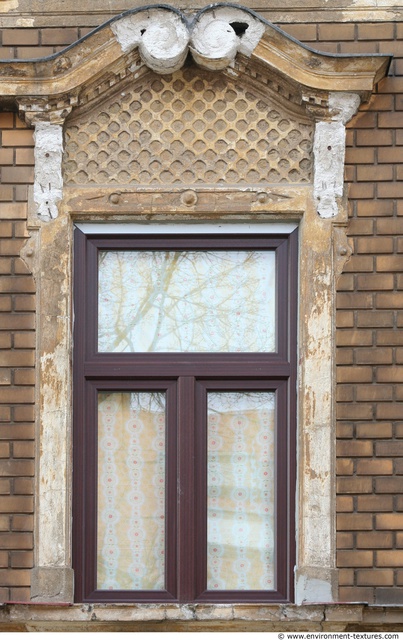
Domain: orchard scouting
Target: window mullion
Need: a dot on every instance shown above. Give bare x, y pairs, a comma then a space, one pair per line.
185, 487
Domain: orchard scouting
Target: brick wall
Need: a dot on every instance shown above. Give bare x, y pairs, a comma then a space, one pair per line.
17, 373
369, 321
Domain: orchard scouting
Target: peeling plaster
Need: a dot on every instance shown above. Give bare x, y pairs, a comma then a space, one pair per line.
162, 39
48, 185
8, 5
329, 153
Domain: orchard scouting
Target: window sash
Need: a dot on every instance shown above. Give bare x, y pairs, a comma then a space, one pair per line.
186, 378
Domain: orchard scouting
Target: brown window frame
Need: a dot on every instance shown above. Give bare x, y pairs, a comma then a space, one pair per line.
186, 378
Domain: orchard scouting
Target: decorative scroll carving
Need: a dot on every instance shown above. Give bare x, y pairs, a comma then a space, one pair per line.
187, 129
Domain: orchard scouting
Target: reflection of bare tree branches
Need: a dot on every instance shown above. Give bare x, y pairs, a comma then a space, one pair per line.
186, 300
147, 401
221, 402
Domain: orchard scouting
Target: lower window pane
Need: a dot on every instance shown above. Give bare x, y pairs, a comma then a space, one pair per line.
131, 491
241, 491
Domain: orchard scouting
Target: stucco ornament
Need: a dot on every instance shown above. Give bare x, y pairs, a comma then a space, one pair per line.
329, 152
48, 185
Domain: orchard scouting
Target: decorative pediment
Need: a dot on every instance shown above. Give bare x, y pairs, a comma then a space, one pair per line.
220, 37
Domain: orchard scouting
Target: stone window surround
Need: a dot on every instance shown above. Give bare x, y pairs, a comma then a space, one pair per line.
331, 98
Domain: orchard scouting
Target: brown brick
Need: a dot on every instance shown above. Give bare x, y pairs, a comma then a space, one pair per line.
17, 284
390, 120
354, 521
17, 358
25, 36
344, 356
374, 208
344, 429
374, 318
18, 174
374, 430
354, 300
16, 432
389, 448
375, 577
372, 282
360, 227
354, 411
17, 468
346, 282
361, 448
4, 522
27, 53
390, 190
336, 31
4, 559
6, 156
377, 173
7, 120
24, 303
346, 577
399, 539
5, 486
390, 411
21, 138
344, 393
354, 337
5, 414
24, 340
344, 540
355, 559
22, 559
4, 449
5, 376
5, 340
356, 594
15, 577
375, 31
363, 155
20, 231
388, 485
19, 504
363, 264
389, 337
362, 190
374, 393
22, 522
355, 485
23, 449
344, 504
374, 245
24, 413
389, 521
374, 539
59, 36
24, 156
13, 210
20, 594
345, 319
389, 558
344, 467
374, 503
390, 85
389, 300
371, 138
24, 376
14, 395
390, 155
352, 374
398, 470
374, 467
6, 193
380, 355
358, 47
24, 486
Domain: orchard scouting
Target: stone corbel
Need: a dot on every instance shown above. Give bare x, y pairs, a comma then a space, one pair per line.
329, 150
47, 121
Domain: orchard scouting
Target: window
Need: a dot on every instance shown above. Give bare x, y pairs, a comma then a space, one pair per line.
184, 437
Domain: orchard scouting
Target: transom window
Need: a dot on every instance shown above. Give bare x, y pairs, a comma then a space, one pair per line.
184, 441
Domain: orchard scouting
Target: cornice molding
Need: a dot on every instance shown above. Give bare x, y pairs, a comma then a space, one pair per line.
161, 37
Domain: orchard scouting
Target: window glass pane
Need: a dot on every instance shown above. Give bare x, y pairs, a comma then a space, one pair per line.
241, 491
131, 490
171, 301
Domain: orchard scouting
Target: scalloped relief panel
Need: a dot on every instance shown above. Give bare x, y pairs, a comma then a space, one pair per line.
187, 129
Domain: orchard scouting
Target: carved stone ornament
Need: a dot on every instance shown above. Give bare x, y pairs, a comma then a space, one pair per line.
223, 38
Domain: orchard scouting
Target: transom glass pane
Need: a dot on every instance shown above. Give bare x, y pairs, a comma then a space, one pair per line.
131, 491
200, 301
241, 491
